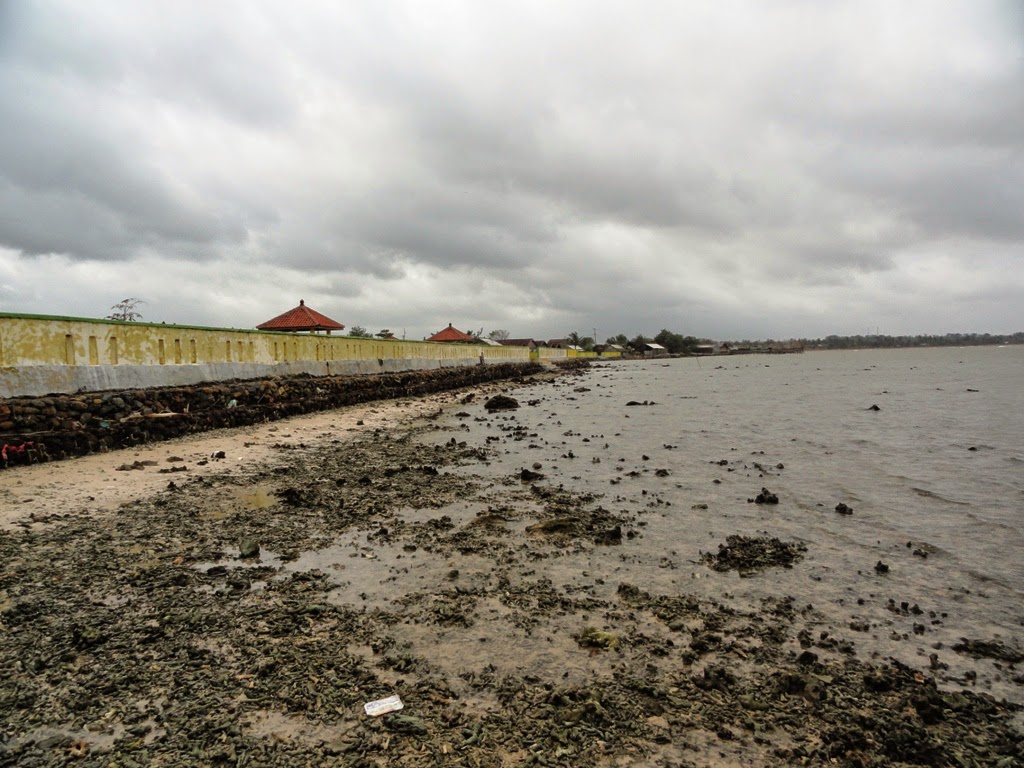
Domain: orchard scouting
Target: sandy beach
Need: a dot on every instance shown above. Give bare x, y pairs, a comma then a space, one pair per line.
33, 493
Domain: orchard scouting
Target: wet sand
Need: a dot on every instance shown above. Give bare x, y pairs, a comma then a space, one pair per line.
243, 611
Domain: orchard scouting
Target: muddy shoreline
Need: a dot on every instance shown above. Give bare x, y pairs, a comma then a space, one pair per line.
245, 618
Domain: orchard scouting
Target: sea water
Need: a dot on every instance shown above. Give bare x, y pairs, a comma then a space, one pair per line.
934, 475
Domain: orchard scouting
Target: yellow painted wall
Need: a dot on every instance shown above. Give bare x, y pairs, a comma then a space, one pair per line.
550, 353
27, 340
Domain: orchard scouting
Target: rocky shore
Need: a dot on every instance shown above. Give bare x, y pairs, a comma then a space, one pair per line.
246, 618
34, 429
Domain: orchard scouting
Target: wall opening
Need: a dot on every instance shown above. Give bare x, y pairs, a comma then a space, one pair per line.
177, 351
227, 351
252, 353
94, 351
69, 349
113, 350
192, 357
240, 352
161, 352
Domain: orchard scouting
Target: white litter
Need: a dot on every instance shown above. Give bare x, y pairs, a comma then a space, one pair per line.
383, 706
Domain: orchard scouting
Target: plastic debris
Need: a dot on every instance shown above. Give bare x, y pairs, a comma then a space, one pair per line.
383, 706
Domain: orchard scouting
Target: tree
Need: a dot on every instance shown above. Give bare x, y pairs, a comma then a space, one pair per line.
638, 343
676, 343
125, 310
622, 340
358, 330
384, 333
587, 344
498, 334
574, 339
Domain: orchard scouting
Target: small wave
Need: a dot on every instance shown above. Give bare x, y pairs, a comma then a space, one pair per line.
929, 495
986, 578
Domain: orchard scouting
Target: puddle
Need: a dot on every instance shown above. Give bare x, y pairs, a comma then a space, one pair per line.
371, 574
246, 498
288, 728
549, 651
256, 497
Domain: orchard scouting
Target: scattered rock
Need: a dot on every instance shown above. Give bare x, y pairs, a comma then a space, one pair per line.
136, 465
501, 403
248, 548
746, 554
989, 649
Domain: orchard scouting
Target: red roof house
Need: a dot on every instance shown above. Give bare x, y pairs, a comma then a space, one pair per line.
451, 334
301, 318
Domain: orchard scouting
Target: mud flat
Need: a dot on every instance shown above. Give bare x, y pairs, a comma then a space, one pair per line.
243, 614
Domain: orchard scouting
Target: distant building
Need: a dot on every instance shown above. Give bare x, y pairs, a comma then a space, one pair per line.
528, 343
652, 349
301, 319
452, 334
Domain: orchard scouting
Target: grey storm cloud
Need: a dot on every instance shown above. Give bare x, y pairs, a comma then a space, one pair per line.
532, 166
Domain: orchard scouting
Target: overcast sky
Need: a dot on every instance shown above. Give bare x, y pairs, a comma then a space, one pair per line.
726, 169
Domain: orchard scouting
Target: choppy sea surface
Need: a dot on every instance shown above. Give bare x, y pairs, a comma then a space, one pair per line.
935, 478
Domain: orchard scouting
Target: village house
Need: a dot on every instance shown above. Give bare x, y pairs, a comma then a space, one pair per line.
451, 335
530, 344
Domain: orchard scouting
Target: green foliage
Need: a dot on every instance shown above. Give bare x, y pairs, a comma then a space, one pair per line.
676, 343
872, 341
498, 334
358, 330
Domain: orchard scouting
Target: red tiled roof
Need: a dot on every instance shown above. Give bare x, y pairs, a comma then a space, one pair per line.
301, 318
451, 334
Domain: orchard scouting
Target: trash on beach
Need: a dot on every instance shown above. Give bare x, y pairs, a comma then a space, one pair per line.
383, 706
